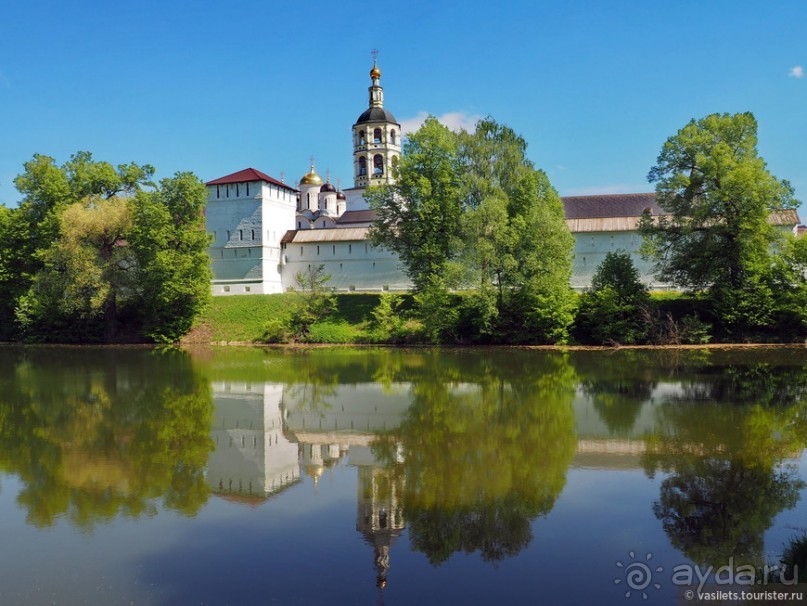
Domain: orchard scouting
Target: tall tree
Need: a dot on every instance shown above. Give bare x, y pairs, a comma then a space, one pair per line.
517, 244
170, 243
717, 235
418, 216
86, 270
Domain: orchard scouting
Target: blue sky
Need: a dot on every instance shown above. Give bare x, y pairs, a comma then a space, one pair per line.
214, 87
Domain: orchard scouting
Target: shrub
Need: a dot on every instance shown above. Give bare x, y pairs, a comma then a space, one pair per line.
616, 308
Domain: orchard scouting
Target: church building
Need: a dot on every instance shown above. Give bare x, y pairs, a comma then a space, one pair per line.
266, 231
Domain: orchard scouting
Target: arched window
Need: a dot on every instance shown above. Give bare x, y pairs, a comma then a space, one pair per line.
392, 136
378, 164
377, 135
362, 166
361, 138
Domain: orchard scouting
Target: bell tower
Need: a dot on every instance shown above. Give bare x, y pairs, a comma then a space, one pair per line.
376, 138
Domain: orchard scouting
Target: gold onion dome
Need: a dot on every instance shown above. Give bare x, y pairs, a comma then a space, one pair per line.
311, 178
375, 73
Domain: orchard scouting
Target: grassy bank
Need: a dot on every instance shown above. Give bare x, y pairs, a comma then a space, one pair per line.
242, 318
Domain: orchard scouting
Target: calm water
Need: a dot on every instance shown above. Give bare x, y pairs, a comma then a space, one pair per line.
242, 476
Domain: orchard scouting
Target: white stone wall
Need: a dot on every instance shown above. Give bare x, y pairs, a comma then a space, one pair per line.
353, 266
590, 250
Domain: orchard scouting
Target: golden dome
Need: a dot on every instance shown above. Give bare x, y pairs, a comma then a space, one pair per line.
311, 178
375, 73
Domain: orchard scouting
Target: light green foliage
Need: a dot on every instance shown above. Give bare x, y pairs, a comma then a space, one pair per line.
93, 248
419, 214
438, 311
616, 308
170, 245
389, 324
471, 211
717, 236
87, 269
313, 303
516, 240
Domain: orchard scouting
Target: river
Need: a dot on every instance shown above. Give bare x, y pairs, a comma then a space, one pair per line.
385, 476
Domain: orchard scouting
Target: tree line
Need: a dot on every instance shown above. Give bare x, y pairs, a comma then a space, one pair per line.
96, 252
481, 233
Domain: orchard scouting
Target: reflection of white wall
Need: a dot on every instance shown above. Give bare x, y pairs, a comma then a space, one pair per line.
251, 454
365, 407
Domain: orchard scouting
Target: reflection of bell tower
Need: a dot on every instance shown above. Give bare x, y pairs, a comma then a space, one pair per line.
376, 138
379, 516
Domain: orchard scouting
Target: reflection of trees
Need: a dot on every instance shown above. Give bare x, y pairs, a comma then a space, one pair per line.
97, 433
713, 509
486, 446
724, 453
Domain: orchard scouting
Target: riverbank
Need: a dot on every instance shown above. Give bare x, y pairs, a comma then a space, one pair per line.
240, 320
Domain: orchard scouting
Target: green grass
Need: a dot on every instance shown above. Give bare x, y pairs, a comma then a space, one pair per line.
241, 318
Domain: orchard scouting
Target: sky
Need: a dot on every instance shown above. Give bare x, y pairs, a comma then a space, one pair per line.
214, 87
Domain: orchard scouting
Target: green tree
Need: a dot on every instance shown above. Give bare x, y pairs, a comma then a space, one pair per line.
517, 245
170, 243
418, 216
614, 309
92, 243
85, 270
717, 233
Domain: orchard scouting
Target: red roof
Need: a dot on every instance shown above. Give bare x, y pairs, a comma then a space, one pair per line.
247, 175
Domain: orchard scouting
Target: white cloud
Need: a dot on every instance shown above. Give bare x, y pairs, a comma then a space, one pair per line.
455, 121
797, 72
612, 188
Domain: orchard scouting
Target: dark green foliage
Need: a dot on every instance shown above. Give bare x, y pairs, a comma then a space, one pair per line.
617, 309
794, 558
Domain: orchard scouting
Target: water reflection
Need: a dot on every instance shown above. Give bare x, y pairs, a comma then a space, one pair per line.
724, 440
95, 436
461, 452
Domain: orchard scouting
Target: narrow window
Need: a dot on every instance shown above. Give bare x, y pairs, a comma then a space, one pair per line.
228, 191
237, 191
362, 166
378, 164
349, 249
247, 188
299, 225
228, 235
377, 135
218, 191
241, 234
392, 136
334, 249
361, 137
301, 252
317, 250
